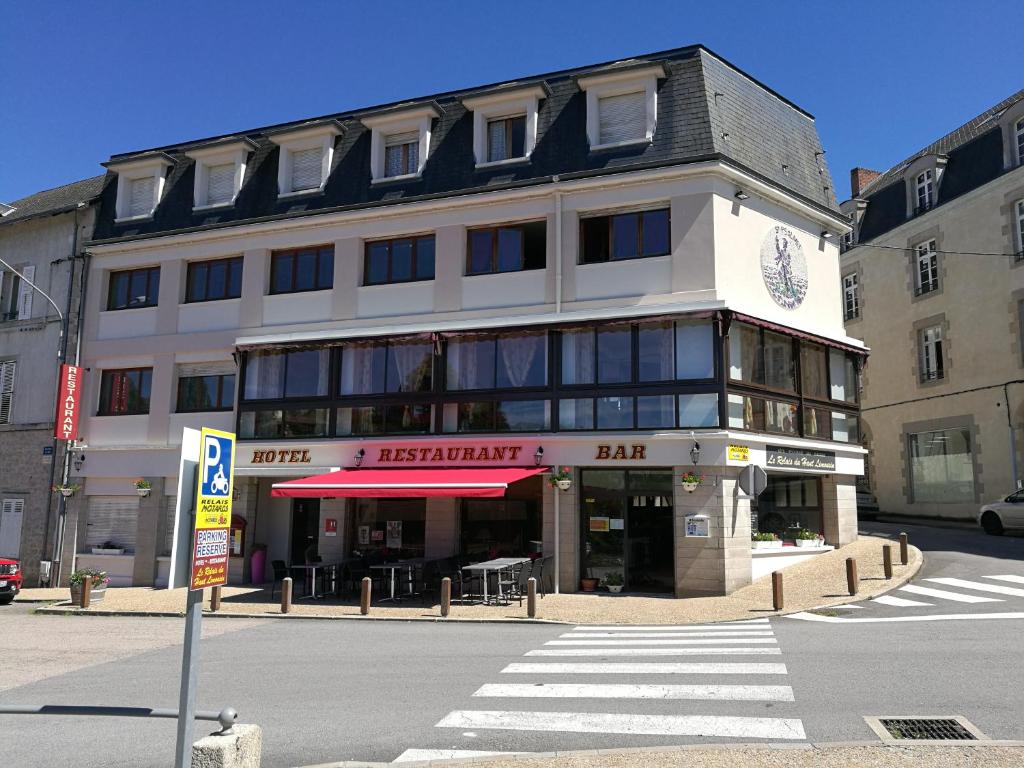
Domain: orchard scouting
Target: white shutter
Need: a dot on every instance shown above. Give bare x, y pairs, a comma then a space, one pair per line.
220, 184
141, 196
10, 527
112, 518
306, 167
26, 292
6, 390
622, 117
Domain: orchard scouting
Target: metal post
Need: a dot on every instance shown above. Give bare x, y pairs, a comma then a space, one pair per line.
189, 675
558, 575
851, 575
777, 601
364, 595
446, 596
215, 600
887, 560
86, 592
286, 594
531, 597
904, 557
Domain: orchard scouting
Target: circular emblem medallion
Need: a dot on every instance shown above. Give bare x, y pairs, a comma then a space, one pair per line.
784, 268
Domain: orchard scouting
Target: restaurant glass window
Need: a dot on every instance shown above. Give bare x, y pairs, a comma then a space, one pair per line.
778, 362
384, 419
695, 349
746, 412
578, 356
781, 417
814, 371
389, 528
614, 354
790, 504
941, 466
656, 411
698, 410
498, 416
842, 376
508, 527
280, 423
576, 413
274, 375
655, 348
624, 236
615, 413
817, 423
508, 361
845, 427
369, 368
746, 356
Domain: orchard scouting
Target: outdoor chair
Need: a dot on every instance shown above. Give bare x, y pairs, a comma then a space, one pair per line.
542, 573
515, 585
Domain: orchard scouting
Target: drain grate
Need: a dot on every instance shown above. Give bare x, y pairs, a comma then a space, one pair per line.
935, 729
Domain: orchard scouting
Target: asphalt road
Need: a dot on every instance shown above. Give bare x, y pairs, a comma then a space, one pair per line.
334, 690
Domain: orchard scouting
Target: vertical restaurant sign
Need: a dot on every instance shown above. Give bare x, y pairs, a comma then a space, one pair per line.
215, 478
65, 423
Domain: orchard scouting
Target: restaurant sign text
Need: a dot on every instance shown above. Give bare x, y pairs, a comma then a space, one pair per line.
790, 458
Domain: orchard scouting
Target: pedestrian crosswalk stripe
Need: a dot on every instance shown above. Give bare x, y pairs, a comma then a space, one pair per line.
659, 651
413, 755
900, 602
644, 668
669, 641
1008, 577
998, 589
651, 725
944, 595
745, 624
633, 691
630, 635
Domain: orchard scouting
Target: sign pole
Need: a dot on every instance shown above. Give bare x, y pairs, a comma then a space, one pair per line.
189, 674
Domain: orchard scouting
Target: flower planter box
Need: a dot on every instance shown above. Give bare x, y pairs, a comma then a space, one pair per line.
143, 492
690, 487
614, 588
102, 551
588, 585
96, 594
766, 545
563, 485
807, 543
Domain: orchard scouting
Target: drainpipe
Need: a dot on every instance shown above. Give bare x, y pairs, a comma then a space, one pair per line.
1009, 430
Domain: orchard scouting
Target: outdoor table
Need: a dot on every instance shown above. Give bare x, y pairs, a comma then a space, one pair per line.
498, 564
311, 569
410, 565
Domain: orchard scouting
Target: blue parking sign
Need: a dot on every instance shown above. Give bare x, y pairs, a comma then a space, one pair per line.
215, 464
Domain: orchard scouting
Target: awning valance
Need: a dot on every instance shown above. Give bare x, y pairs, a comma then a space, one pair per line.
489, 482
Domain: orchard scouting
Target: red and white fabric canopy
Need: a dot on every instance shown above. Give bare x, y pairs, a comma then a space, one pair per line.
489, 482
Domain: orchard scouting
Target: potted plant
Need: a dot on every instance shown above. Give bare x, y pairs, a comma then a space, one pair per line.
589, 584
99, 584
690, 481
67, 490
561, 478
108, 548
764, 540
613, 581
142, 486
805, 538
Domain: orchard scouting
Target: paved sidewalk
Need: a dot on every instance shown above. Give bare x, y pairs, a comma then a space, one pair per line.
819, 582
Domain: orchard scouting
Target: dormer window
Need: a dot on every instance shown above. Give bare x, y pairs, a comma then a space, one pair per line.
923, 183
140, 186
306, 154
622, 106
399, 142
1019, 135
925, 186
505, 124
220, 171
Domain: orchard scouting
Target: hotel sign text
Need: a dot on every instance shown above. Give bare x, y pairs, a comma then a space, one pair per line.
283, 456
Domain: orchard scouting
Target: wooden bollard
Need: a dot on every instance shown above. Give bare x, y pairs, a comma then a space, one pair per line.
86, 592
446, 596
364, 595
286, 594
851, 575
531, 597
904, 555
887, 560
215, 600
777, 600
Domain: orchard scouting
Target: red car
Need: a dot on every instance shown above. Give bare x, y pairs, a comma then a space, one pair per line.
10, 580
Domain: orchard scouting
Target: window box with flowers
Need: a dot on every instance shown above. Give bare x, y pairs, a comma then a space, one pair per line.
806, 538
765, 540
690, 481
67, 491
561, 478
142, 487
98, 588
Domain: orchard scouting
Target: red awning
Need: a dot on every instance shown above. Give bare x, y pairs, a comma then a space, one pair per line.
405, 483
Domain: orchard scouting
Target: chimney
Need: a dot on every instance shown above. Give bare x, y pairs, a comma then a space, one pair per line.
860, 178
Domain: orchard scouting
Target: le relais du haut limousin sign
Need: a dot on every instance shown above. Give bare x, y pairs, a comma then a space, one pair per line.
213, 509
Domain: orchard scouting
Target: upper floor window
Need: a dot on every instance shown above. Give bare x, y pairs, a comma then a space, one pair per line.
134, 288
402, 154
930, 353
505, 124
624, 236
621, 106
851, 296
399, 142
847, 242
305, 157
506, 138
206, 393
214, 280
219, 172
1019, 135
274, 375
125, 392
925, 190
926, 268
622, 118
16, 295
140, 185
507, 248
401, 260
493, 361
303, 269
7, 370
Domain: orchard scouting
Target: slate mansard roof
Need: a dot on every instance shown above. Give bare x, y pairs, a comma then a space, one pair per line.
54, 201
707, 109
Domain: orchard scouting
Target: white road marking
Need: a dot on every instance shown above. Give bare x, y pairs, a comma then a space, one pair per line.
891, 619
411, 755
673, 627
998, 589
630, 691
630, 635
702, 651
669, 641
944, 595
653, 725
1007, 577
900, 602
645, 668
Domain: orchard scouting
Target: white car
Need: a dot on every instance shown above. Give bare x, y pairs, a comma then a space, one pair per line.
1005, 514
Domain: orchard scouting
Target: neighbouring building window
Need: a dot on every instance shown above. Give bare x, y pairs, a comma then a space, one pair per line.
847, 242
377, 367
510, 361
274, 375
7, 370
1020, 230
125, 392
926, 268
925, 187
402, 154
622, 117
303, 269
851, 296
930, 353
1019, 130
214, 280
624, 236
401, 260
506, 138
10, 294
206, 393
509, 248
134, 288
941, 466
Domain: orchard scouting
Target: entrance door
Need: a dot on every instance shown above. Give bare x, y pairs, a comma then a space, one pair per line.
10, 527
305, 529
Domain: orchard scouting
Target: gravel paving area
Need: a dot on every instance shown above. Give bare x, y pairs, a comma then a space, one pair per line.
817, 583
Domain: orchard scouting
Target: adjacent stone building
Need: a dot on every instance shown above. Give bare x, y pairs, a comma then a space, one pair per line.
933, 282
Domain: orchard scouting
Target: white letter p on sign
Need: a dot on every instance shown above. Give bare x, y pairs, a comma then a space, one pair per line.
211, 457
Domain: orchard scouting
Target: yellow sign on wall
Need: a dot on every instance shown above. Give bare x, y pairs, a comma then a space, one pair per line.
739, 453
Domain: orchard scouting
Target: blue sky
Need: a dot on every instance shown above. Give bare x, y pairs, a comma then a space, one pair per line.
81, 81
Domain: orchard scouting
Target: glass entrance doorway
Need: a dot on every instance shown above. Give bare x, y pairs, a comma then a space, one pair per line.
626, 522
